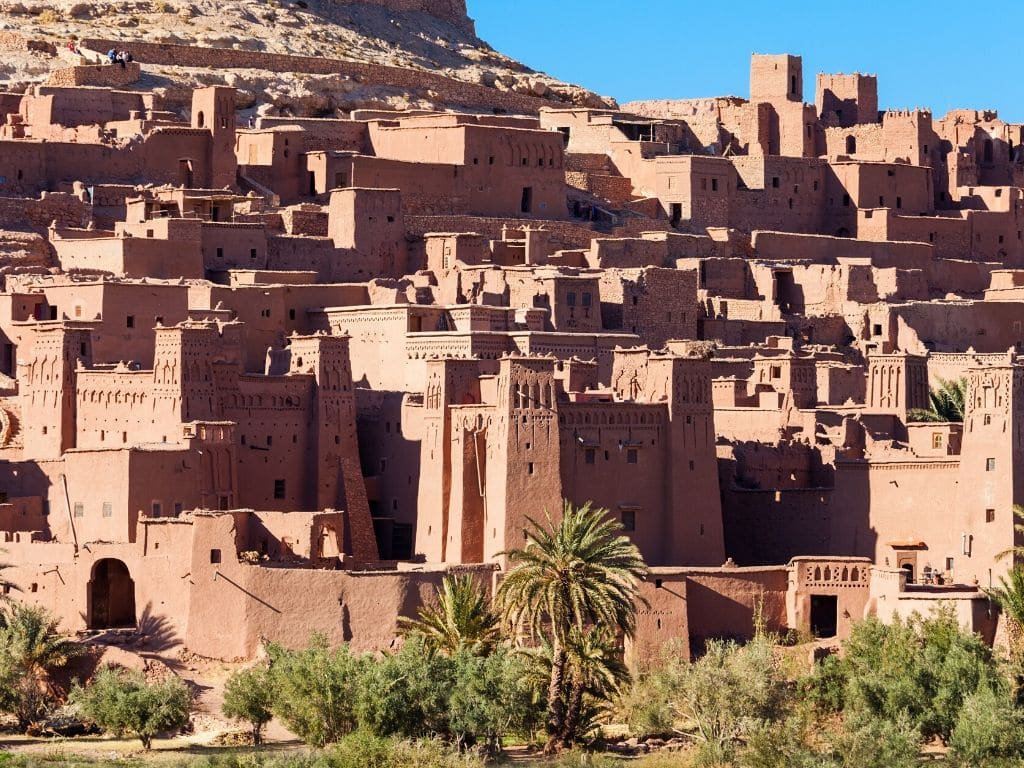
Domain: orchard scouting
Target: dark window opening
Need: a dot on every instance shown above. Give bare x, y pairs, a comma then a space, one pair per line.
526, 205
677, 213
279, 489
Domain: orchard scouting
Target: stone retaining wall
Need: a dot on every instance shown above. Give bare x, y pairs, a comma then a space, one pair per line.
446, 89
99, 75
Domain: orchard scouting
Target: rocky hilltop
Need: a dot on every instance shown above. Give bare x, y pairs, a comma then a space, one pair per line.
436, 37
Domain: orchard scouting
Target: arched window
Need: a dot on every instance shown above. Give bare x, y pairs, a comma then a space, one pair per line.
201, 120
851, 145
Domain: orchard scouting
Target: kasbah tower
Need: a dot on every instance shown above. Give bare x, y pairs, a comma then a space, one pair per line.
284, 368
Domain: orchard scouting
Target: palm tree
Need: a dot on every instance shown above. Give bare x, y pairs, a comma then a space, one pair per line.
460, 619
1009, 595
31, 648
1017, 550
595, 669
571, 575
945, 403
5, 586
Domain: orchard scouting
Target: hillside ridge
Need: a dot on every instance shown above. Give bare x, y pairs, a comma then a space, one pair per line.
432, 36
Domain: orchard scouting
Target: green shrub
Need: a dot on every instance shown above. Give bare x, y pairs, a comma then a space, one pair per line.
925, 668
877, 743
990, 728
315, 690
492, 697
124, 702
406, 693
826, 687
249, 695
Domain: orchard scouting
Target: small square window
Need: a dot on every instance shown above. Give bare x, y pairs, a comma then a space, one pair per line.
252, 253
79, 509
775, 182
157, 509
279, 489
986, 419
587, 298
936, 439
628, 520
220, 253
214, 556
108, 509
990, 465
632, 456
589, 455
949, 564
178, 508
129, 321
714, 185
529, 468
990, 515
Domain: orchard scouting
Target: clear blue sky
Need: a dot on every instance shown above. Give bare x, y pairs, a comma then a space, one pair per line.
937, 54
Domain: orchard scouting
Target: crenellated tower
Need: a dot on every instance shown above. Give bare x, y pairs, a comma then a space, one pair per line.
335, 480
48, 381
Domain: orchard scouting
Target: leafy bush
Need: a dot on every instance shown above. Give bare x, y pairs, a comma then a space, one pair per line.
990, 727
124, 702
877, 743
406, 693
925, 668
315, 690
249, 695
646, 705
492, 697
728, 694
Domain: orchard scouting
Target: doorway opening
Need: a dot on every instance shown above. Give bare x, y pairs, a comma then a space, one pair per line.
824, 615
111, 603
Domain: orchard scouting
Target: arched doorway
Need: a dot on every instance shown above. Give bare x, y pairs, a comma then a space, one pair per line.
111, 596
908, 568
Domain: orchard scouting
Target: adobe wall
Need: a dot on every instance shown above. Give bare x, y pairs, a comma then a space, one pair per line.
765, 526
447, 89
825, 249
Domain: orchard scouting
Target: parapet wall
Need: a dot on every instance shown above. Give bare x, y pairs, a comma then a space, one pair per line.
447, 89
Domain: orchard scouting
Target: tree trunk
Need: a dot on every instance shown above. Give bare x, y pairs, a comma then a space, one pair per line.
147, 742
257, 734
556, 700
572, 714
